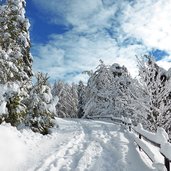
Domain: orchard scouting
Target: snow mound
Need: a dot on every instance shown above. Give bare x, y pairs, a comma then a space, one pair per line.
12, 148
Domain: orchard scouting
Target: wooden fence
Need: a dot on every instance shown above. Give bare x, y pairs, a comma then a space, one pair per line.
127, 122
140, 135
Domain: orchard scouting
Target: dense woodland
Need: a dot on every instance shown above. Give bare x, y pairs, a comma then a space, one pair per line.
110, 90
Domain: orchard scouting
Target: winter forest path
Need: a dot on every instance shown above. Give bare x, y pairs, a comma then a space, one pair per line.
93, 146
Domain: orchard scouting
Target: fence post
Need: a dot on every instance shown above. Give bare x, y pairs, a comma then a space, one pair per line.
167, 163
129, 127
139, 138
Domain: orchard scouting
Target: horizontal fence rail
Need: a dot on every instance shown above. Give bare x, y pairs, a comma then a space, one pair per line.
146, 138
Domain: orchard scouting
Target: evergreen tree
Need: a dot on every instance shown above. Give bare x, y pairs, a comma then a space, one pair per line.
81, 99
15, 40
153, 81
98, 93
15, 59
105, 91
151, 96
41, 109
58, 90
68, 99
120, 82
74, 100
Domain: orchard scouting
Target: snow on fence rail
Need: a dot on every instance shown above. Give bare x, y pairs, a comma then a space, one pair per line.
158, 139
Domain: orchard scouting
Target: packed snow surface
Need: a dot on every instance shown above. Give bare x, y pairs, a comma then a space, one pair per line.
77, 145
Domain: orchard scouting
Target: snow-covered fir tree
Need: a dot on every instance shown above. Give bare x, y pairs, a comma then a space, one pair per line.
58, 90
121, 81
73, 96
156, 86
15, 41
41, 107
105, 90
165, 118
97, 92
68, 99
15, 59
81, 99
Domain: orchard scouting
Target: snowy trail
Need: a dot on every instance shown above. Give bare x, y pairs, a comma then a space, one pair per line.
93, 146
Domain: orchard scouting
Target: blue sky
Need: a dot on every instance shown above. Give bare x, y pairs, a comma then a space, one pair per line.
40, 27
71, 36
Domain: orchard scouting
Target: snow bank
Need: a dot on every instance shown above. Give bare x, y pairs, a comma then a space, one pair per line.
12, 148
159, 137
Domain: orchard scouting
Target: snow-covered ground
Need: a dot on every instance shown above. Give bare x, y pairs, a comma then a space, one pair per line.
76, 145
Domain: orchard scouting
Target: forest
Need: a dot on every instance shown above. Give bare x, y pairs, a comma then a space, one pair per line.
110, 89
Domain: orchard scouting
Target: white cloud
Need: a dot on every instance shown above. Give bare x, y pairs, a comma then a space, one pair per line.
66, 56
150, 22
114, 31
165, 62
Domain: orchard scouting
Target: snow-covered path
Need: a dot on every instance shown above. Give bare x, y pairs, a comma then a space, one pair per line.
77, 145
92, 146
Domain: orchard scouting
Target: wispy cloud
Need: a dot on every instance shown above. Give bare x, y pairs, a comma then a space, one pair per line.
114, 31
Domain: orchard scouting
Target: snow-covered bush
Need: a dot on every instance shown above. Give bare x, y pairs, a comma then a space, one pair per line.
41, 107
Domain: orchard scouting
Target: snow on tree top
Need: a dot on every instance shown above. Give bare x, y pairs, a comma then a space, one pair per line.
117, 69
